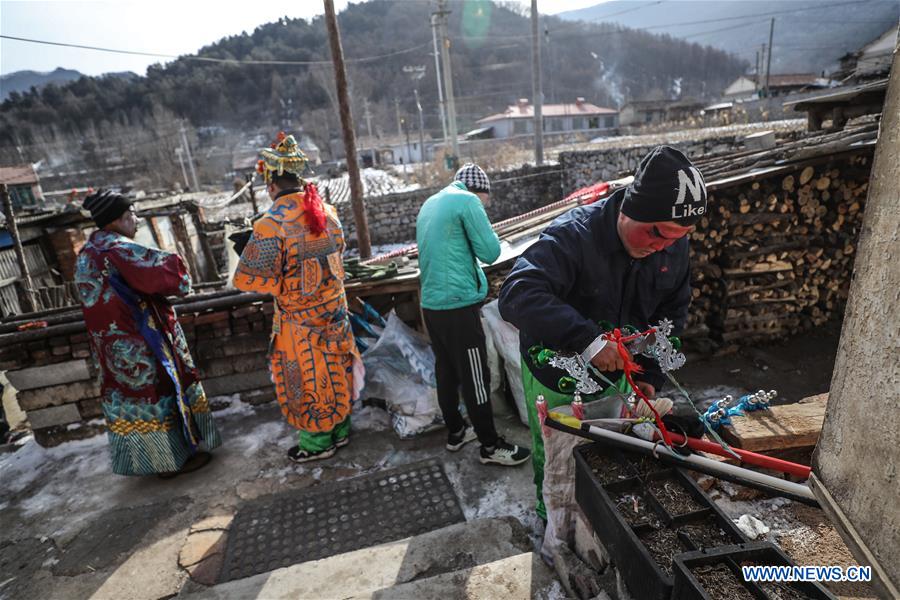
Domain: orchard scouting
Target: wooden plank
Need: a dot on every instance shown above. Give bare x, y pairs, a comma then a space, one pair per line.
788, 426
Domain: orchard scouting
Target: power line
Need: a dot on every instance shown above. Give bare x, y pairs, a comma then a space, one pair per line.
738, 26
628, 10
212, 59
578, 27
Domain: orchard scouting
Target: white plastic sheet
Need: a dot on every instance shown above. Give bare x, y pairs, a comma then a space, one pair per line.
400, 371
505, 339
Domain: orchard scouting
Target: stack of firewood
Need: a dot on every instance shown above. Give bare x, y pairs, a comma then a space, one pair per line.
774, 257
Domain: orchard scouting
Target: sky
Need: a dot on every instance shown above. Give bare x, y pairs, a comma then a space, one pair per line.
155, 26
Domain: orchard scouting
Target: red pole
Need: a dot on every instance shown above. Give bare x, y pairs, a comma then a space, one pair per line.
747, 457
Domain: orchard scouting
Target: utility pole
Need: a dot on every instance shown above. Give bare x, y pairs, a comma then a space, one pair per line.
12, 228
769, 55
437, 76
179, 152
399, 119
448, 80
190, 159
340, 80
536, 87
368, 117
760, 78
408, 146
421, 133
550, 68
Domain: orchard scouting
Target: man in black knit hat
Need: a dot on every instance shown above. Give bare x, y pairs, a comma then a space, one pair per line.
157, 415
623, 260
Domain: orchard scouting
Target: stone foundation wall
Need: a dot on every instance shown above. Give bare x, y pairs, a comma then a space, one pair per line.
56, 377
392, 217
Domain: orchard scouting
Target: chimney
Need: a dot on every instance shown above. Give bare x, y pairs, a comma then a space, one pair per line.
523, 104
579, 101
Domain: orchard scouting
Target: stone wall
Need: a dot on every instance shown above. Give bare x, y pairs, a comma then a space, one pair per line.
392, 217
56, 378
583, 168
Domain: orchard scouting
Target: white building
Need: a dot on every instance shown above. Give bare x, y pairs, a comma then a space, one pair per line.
558, 118
396, 150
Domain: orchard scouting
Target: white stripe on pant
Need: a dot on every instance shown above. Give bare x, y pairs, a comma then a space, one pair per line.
477, 377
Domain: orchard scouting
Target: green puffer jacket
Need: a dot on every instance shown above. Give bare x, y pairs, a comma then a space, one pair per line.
453, 233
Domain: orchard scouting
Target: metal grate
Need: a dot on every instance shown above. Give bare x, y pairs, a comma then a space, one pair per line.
313, 523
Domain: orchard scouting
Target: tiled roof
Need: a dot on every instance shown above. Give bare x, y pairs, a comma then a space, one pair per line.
18, 175
526, 111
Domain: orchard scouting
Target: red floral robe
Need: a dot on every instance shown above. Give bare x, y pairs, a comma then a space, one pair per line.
154, 404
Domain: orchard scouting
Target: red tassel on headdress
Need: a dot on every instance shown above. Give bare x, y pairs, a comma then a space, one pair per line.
314, 209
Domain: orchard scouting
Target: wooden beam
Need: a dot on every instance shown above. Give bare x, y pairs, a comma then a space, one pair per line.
787, 426
30, 303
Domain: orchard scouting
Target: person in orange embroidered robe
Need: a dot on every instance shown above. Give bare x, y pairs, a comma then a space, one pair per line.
295, 254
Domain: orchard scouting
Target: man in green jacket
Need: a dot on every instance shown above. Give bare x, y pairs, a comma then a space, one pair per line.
454, 233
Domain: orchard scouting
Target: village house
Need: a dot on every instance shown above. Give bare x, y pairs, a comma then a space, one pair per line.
872, 61
395, 150
23, 185
750, 86
649, 112
580, 116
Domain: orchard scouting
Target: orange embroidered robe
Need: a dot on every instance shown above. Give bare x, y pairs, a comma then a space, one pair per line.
313, 358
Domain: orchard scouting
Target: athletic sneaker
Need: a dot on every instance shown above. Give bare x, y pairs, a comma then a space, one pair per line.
455, 441
504, 453
298, 455
342, 442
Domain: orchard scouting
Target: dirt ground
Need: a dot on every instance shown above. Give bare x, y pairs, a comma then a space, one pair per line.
796, 368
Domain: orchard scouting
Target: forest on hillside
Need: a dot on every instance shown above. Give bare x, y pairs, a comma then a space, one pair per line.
491, 53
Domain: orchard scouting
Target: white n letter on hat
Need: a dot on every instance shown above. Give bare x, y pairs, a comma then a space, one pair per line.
694, 182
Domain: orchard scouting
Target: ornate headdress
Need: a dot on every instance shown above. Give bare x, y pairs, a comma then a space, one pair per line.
284, 156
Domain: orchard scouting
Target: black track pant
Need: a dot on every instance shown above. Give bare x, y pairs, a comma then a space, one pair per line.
461, 360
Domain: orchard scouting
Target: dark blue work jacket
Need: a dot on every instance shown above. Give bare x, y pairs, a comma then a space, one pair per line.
578, 274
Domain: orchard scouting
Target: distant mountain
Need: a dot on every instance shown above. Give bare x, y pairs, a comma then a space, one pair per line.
810, 35
491, 56
22, 81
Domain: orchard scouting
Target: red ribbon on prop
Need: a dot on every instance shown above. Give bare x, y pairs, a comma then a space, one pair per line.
632, 367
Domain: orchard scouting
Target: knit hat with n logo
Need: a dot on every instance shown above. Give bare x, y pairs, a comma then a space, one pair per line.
666, 187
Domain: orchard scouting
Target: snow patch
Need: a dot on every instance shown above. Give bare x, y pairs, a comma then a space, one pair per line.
235, 406
370, 418
275, 432
19, 469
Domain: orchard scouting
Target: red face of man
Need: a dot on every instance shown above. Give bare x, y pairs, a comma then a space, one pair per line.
643, 239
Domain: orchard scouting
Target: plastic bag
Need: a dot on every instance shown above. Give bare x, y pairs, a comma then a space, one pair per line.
506, 343
559, 473
494, 364
400, 371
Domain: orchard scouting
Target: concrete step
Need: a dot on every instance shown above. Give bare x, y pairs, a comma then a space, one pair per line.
456, 548
520, 577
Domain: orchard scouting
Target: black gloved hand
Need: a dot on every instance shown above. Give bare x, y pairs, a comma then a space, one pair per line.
240, 239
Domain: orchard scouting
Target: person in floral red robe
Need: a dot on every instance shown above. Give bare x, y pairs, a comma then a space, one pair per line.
156, 411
